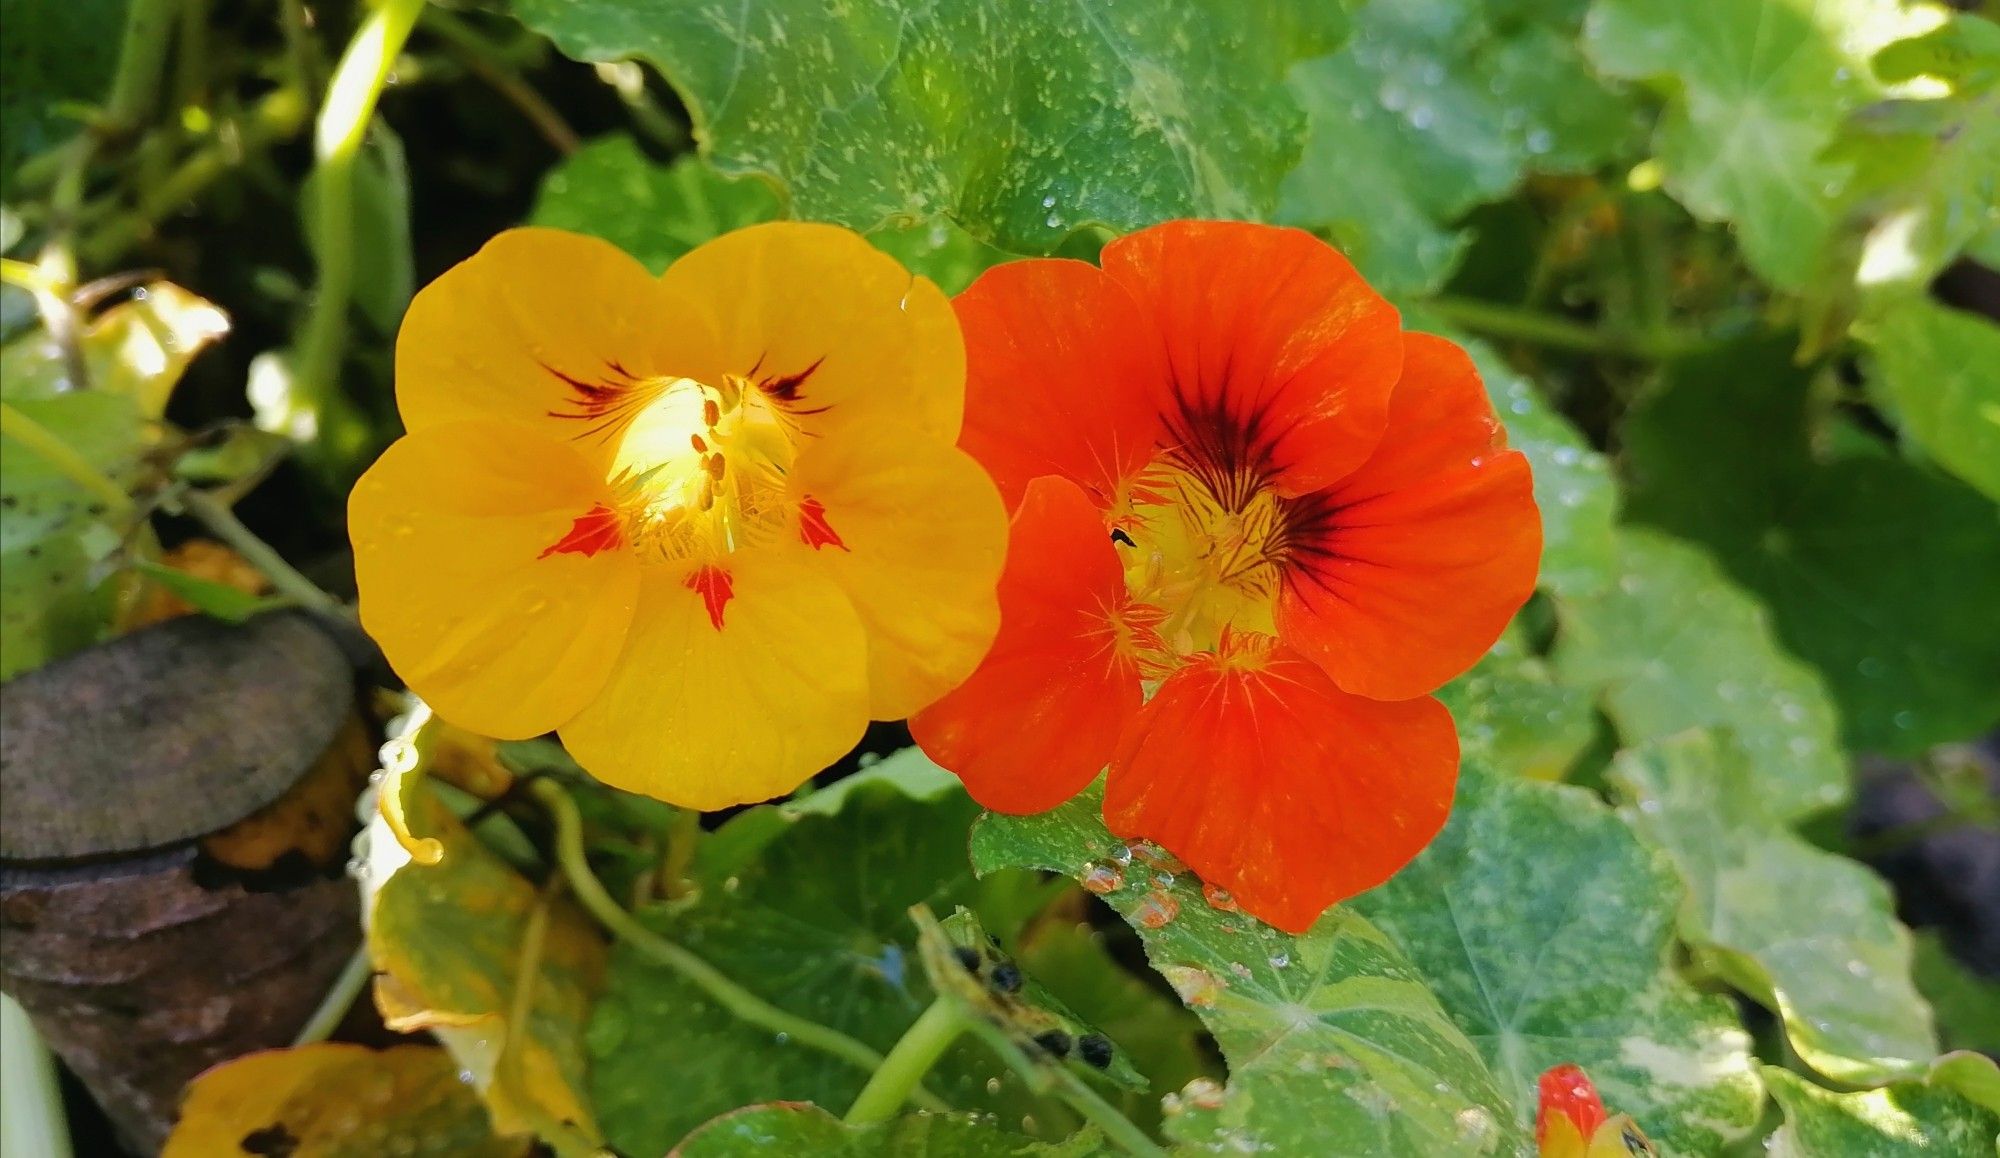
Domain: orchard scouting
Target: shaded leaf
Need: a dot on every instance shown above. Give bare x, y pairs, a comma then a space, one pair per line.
1018, 122
1934, 369
792, 1128
1897, 1120
50, 603
1673, 644
654, 212
814, 920
1333, 1040
334, 1100
53, 55
207, 596
1513, 715
1545, 930
1431, 108
1836, 970
38, 499
1876, 570
1967, 1004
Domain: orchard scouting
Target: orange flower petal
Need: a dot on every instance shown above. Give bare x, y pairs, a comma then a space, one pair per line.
1039, 719
740, 679
1422, 556
1062, 370
1271, 782
541, 323
1272, 338
465, 583
914, 533
828, 326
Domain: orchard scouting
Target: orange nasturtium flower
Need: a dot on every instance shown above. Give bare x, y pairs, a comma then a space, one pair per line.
1571, 1121
1239, 486
705, 525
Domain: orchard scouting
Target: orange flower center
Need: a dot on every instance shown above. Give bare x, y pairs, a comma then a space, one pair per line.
699, 470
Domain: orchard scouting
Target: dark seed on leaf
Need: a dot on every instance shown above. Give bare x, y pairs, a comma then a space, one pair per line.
1006, 977
1095, 1048
968, 958
1055, 1041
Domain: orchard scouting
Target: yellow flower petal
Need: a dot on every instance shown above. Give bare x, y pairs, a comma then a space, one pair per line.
873, 343
738, 682
915, 533
511, 330
452, 528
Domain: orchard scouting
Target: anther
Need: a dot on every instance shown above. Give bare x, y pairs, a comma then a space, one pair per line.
700, 447
715, 465
710, 412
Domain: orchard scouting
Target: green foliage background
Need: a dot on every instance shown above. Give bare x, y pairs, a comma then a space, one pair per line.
1728, 269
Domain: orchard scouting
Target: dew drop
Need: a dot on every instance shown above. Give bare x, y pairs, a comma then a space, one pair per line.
1280, 960
1540, 141
1203, 1094
1102, 878
1218, 897
1197, 987
1156, 910
992, 1085
1049, 202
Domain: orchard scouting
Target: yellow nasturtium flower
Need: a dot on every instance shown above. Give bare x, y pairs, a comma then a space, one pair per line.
705, 525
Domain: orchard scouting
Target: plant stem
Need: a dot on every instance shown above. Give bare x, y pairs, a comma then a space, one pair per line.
725, 992
351, 97
338, 1000
59, 454
223, 524
1072, 1090
142, 55
902, 1072
1561, 333
486, 61
31, 1105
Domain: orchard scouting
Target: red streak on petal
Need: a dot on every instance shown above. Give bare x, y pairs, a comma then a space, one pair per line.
712, 583
595, 530
814, 530
1567, 1091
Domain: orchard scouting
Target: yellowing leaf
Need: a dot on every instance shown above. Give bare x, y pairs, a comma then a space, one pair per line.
336, 1100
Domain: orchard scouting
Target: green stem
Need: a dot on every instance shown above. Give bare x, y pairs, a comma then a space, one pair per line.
142, 56
1503, 321
343, 122
338, 1000
489, 63
901, 1074
223, 524
31, 1105
59, 454
725, 992
1072, 1090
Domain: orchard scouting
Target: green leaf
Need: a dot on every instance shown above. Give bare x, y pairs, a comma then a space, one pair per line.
761, 1131
50, 603
384, 264
1876, 570
1018, 121
815, 921
1673, 645
1512, 714
1836, 970
1757, 89
1892, 1122
1934, 369
1967, 1004
656, 213
1334, 1043
38, 501
1545, 930
52, 55
1431, 108
610, 189
219, 600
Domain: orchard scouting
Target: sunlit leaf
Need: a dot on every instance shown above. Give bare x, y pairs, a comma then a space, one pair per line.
1934, 368
51, 603
1838, 969
1757, 90
1335, 1044
38, 499
334, 1100
140, 348
1892, 1122
1018, 121
1545, 930
450, 928
1673, 644
791, 1128
1875, 569
654, 212
1433, 107
1512, 714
